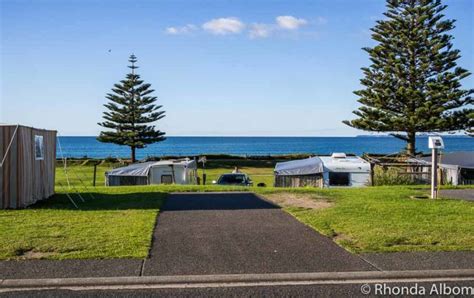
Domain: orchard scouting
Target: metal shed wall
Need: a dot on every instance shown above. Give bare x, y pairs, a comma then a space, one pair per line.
23, 179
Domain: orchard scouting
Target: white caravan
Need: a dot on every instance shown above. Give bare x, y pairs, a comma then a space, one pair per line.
342, 170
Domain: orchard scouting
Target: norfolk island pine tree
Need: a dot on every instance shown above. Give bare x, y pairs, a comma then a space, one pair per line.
130, 112
413, 84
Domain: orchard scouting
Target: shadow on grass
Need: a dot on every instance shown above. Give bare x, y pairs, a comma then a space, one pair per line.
155, 200
101, 201
214, 201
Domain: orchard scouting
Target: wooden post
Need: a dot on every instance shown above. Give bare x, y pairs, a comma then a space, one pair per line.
204, 173
95, 174
203, 159
372, 167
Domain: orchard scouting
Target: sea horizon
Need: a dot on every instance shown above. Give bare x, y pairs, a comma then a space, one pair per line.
282, 136
88, 146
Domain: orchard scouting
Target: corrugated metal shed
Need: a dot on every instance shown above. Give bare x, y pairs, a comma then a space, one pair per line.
27, 165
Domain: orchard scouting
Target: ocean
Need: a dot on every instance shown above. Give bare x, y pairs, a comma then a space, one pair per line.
247, 146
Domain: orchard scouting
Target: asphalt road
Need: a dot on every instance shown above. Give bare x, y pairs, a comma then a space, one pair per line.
339, 290
231, 233
435, 260
69, 268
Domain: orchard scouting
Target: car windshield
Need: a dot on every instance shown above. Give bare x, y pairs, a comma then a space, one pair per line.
232, 179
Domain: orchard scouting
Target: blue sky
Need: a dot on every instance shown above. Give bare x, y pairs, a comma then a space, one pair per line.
218, 67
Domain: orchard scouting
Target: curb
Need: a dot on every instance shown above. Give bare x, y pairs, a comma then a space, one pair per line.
217, 192
229, 280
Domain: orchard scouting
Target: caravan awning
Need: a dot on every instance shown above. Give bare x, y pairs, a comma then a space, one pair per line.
308, 166
138, 169
143, 168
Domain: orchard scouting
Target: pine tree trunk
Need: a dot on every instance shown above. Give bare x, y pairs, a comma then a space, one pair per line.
133, 154
411, 143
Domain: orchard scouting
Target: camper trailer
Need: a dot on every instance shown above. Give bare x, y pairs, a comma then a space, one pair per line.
343, 170
182, 171
337, 170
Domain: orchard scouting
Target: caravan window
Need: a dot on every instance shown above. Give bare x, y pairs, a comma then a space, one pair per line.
39, 150
338, 179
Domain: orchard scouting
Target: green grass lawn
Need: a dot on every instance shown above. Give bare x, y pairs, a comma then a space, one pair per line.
80, 173
119, 222
259, 171
386, 219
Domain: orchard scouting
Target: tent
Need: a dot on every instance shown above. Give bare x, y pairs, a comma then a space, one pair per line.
462, 159
457, 168
183, 171
27, 165
299, 173
323, 171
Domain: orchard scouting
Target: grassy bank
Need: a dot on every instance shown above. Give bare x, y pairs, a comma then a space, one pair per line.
386, 219
118, 223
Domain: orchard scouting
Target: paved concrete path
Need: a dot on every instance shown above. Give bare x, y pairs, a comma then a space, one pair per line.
227, 233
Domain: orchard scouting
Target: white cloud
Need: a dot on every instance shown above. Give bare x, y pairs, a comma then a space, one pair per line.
233, 25
223, 26
260, 30
290, 22
180, 30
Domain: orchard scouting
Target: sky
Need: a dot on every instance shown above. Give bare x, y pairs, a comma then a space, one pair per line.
219, 68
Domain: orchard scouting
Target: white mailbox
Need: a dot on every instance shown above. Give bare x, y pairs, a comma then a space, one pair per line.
435, 143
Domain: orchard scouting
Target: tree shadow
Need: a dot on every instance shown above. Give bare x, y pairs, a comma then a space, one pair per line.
215, 201
94, 201
100, 201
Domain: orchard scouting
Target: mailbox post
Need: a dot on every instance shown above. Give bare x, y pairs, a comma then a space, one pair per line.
434, 143
203, 159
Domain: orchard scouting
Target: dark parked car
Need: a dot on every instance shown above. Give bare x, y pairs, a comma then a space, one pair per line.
234, 179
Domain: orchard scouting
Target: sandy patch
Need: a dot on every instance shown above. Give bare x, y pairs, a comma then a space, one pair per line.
34, 255
341, 237
299, 200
